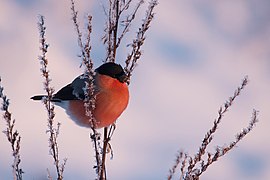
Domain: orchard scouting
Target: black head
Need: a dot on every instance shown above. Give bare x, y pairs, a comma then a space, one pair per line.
113, 70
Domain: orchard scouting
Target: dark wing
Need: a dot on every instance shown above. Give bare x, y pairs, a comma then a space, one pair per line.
66, 93
73, 91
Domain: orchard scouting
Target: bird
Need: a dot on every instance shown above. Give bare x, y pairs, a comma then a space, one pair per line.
112, 96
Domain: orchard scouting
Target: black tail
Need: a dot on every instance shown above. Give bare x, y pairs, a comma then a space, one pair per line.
39, 97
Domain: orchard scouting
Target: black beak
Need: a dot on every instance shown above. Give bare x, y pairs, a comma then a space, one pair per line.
122, 78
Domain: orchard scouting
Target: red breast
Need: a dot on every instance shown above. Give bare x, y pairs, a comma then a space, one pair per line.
111, 100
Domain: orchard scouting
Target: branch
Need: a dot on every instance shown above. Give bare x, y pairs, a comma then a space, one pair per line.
136, 52
209, 135
197, 165
129, 19
47, 101
12, 135
221, 151
89, 91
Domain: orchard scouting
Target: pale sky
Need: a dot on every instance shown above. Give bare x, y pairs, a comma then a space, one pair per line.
195, 55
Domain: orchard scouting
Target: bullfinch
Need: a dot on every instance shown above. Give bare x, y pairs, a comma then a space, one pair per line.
111, 91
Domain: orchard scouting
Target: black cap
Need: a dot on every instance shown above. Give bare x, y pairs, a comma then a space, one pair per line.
113, 70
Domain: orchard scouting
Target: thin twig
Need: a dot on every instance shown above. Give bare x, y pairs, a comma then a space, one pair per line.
195, 166
105, 143
209, 135
48, 101
221, 151
137, 43
89, 91
13, 136
178, 159
115, 28
128, 21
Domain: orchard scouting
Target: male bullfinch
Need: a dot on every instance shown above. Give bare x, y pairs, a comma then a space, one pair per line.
111, 91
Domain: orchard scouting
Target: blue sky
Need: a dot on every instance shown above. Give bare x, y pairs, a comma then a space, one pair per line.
195, 55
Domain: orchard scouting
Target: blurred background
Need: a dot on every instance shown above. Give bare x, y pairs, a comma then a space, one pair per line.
195, 55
